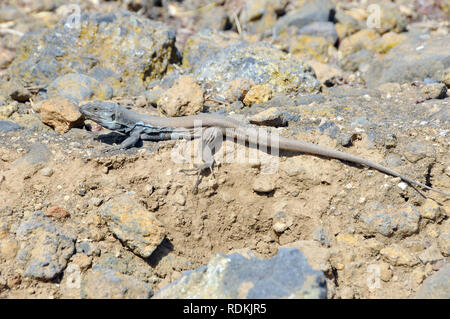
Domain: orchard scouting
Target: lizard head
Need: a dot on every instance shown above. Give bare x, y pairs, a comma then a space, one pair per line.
103, 113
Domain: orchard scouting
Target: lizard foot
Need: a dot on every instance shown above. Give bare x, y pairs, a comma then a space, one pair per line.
200, 171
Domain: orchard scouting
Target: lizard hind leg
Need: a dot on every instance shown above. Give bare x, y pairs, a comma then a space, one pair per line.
200, 172
211, 141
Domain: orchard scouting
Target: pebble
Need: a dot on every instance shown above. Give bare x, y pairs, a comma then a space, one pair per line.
57, 212
270, 117
263, 184
258, 94
96, 201
46, 171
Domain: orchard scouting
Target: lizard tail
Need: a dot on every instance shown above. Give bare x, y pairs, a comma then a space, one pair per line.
301, 146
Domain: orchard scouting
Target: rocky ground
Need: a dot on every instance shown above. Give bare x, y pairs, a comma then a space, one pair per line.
81, 219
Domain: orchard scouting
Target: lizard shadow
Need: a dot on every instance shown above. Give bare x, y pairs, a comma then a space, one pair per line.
112, 138
162, 250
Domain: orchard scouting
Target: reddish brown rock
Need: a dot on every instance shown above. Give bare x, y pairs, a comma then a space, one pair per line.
62, 114
57, 212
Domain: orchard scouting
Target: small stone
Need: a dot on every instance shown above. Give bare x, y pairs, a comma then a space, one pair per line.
258, 94
286, 275
96, 201
263, 184
444, 239
47, 171
402, 185
363, 39
102, 283
57, 212
7, 111
339, 266
432, 210
325, 72
321, 235
16, 91
270, 117
238, 89
14, 281
431, 255
79, 87
434, 90
407, 220
82, 260
279, 227
310, 48
180, 199
48, 247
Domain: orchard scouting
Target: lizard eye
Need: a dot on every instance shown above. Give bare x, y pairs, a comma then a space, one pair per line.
113, 116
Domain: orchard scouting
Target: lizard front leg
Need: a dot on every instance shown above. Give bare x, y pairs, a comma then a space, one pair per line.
133, 138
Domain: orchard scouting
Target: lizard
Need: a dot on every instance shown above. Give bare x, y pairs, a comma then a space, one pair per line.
139, 126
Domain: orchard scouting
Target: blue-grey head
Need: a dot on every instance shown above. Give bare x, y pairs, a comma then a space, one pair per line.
103, 113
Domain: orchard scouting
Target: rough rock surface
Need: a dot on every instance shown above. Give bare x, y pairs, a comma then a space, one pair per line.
45, 247
287, 275
119, 49
133, 225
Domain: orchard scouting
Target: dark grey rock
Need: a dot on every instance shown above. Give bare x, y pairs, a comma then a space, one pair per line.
308, 99
378, 220
393, 160
309, 12
108, 284
412, 60
436, 286
7, 126
322, 29
353, 61
118, 278
45, 248
39, 153
79, 87
321, 235
286, 275
86, 247
329, 128
389, 220
258, 62
127, 60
